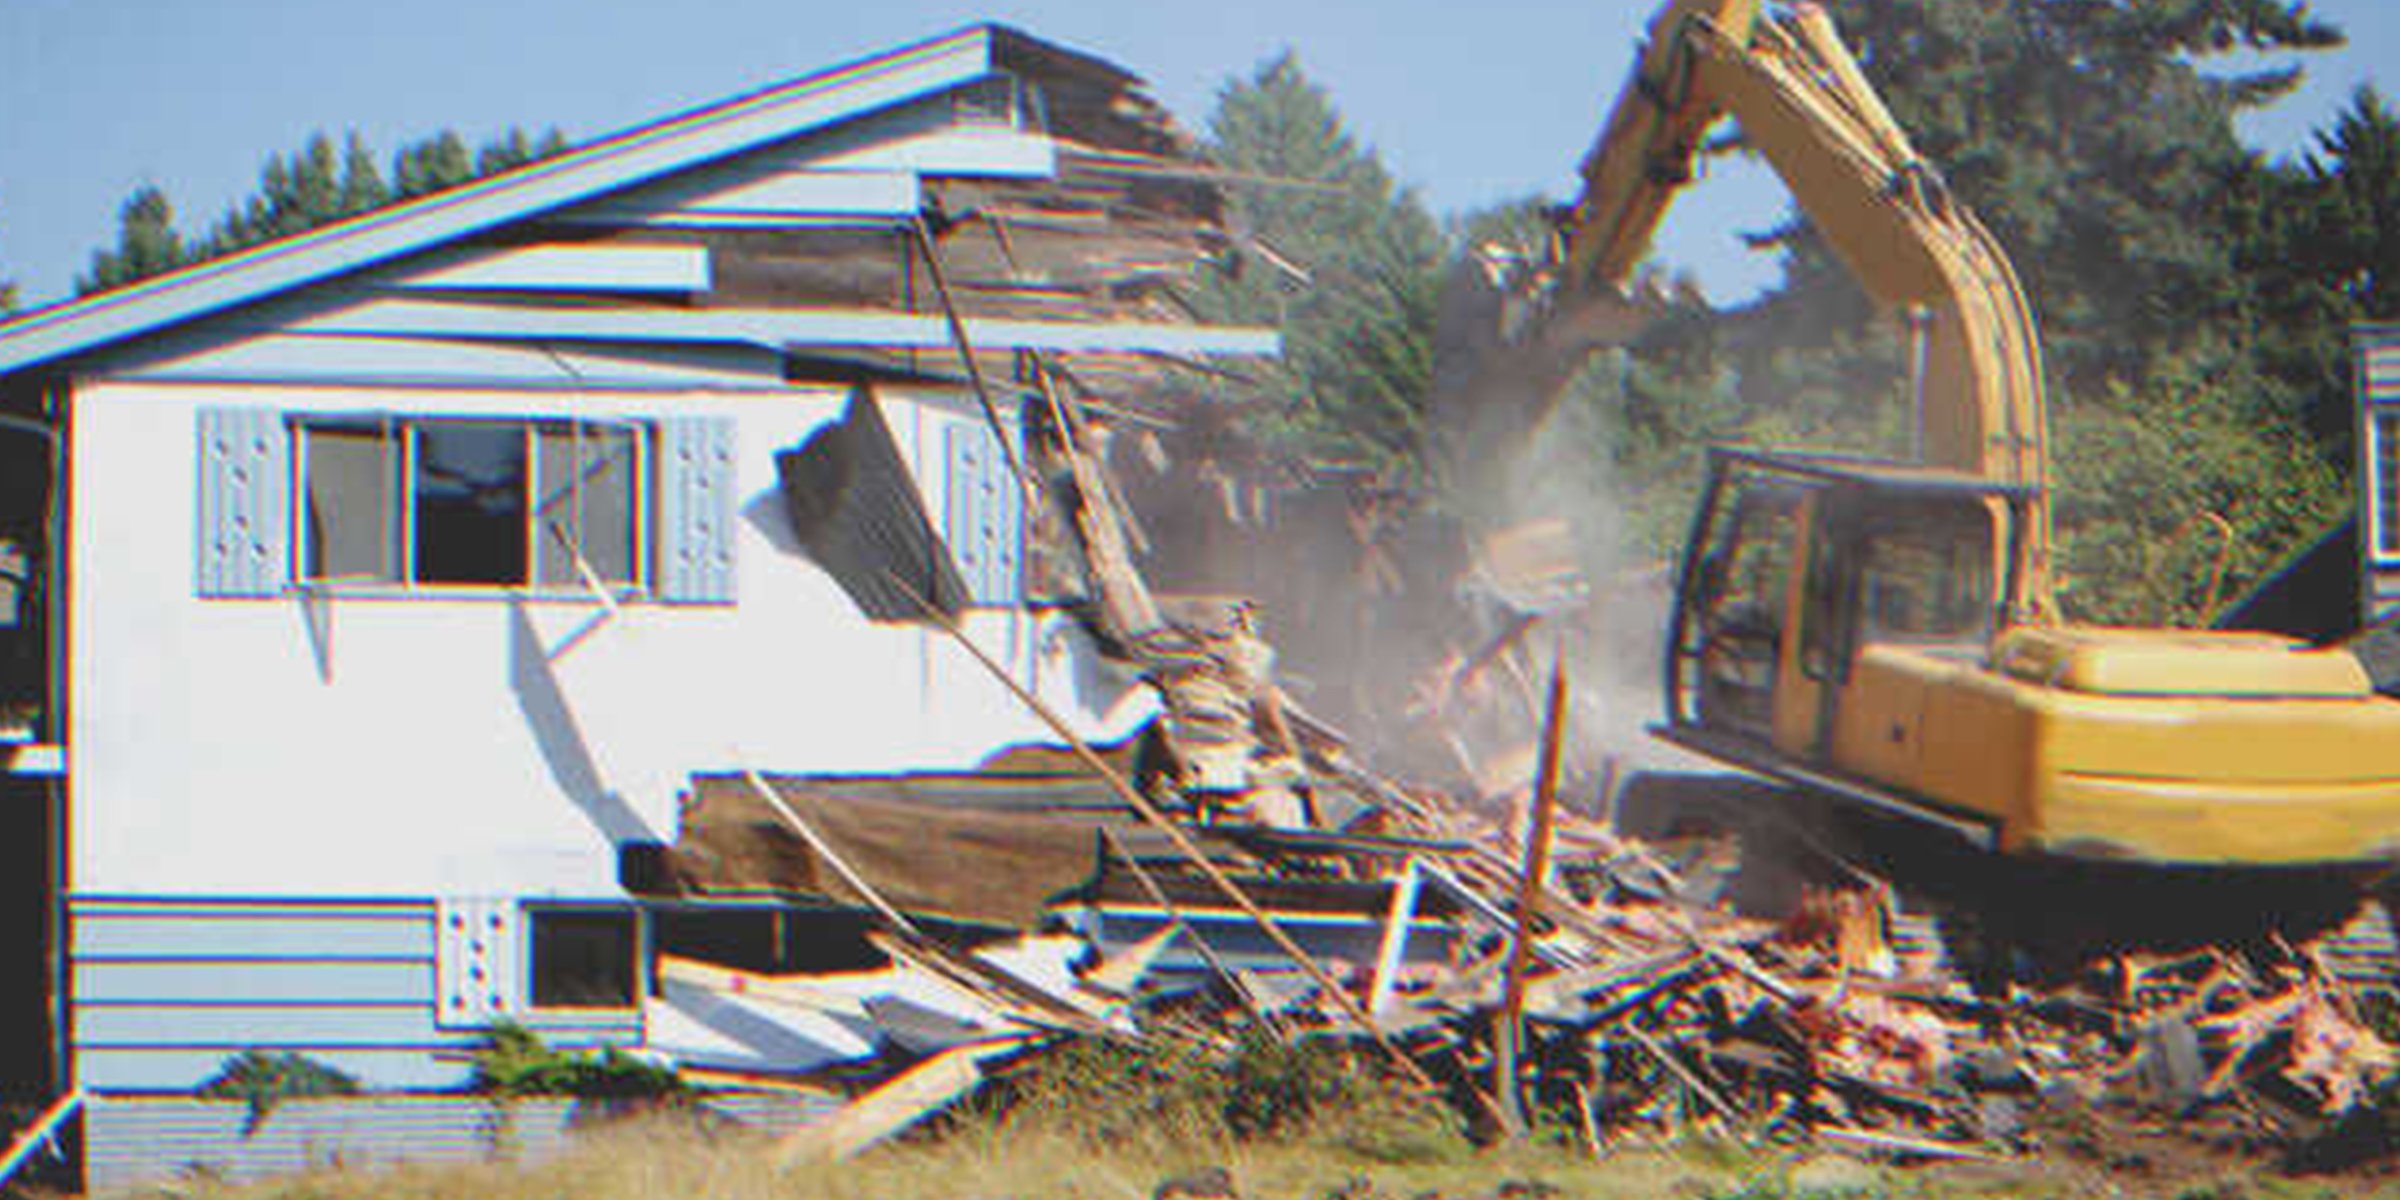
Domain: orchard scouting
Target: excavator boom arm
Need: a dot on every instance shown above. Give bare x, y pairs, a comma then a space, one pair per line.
1804, 104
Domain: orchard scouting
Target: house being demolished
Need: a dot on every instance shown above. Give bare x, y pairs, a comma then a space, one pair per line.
400, 613
674, 597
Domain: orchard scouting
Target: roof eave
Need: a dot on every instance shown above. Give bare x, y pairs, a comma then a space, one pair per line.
621, 160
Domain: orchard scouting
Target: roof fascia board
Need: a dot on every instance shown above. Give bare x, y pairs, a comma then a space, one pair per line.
604, 166
760, 326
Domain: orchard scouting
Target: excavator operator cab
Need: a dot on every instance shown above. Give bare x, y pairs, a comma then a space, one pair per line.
1796, 562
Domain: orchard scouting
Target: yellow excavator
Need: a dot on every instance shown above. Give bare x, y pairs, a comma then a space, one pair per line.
1886, 631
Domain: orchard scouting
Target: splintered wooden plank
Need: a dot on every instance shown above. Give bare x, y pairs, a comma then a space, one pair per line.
902, 1101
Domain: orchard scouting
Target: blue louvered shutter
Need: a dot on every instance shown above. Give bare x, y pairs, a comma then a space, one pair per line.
695, 505
244, 533
983, 516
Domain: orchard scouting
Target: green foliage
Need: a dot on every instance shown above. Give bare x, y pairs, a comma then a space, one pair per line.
147, 243
1343, 260
265, 1080
1782, 1188
514, 1061
2193, 301
2319, 243
2096, 139
1180, 1094
2137, 471
315, 185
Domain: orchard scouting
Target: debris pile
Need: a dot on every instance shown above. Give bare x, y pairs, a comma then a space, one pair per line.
1634, 1010
1520, 958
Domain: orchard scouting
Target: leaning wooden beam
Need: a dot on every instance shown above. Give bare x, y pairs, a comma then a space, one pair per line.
1666, 1058
1208, 954
1185, 846
902, 1101
1898, 1146
1529, 887
825, 851
1119, 976
42, 1130
966, 355
1394, 950
1126, 606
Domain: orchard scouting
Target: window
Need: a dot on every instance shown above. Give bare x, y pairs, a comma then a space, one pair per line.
491, 503
583, 958
2383, 467
1928, 580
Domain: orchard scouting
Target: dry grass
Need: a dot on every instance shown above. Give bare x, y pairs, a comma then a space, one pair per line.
986, 1161
1102, 1123
1000, 1160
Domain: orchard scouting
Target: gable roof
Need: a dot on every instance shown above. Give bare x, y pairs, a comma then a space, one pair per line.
606, 165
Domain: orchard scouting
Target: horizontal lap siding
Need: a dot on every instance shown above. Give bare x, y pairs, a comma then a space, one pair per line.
131, 1141
165, 991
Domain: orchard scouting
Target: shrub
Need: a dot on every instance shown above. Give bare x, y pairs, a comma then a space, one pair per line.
1106, 1093
265, 1080
514, 1061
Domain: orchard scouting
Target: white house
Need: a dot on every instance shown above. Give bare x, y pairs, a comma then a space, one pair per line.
408, 568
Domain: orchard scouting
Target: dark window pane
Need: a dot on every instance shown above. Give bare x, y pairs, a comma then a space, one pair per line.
583, 959
352, 520
2386, 466
588, 477
470, 502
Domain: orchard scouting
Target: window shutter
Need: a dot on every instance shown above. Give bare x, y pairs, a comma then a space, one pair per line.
695, 480
476, 972
245, 503
983, 518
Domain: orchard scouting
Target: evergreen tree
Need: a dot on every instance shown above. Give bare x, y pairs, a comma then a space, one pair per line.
313, 186
2320, 246
300, 192
2096, 138
1346, 262
147, 243
431, 164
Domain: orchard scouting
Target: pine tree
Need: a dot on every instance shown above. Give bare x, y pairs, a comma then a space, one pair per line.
147, 243
2096, 138
1341, 258
313, 186
429, 165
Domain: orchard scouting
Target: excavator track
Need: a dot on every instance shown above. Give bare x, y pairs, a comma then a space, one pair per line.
1996, 918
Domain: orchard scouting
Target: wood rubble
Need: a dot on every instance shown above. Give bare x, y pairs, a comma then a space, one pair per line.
1544, 964
1513, 955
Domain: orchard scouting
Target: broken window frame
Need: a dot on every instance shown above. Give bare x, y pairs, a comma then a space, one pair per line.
547, 566
541, 953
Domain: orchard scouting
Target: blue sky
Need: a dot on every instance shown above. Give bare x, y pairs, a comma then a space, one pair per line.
1470, 102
